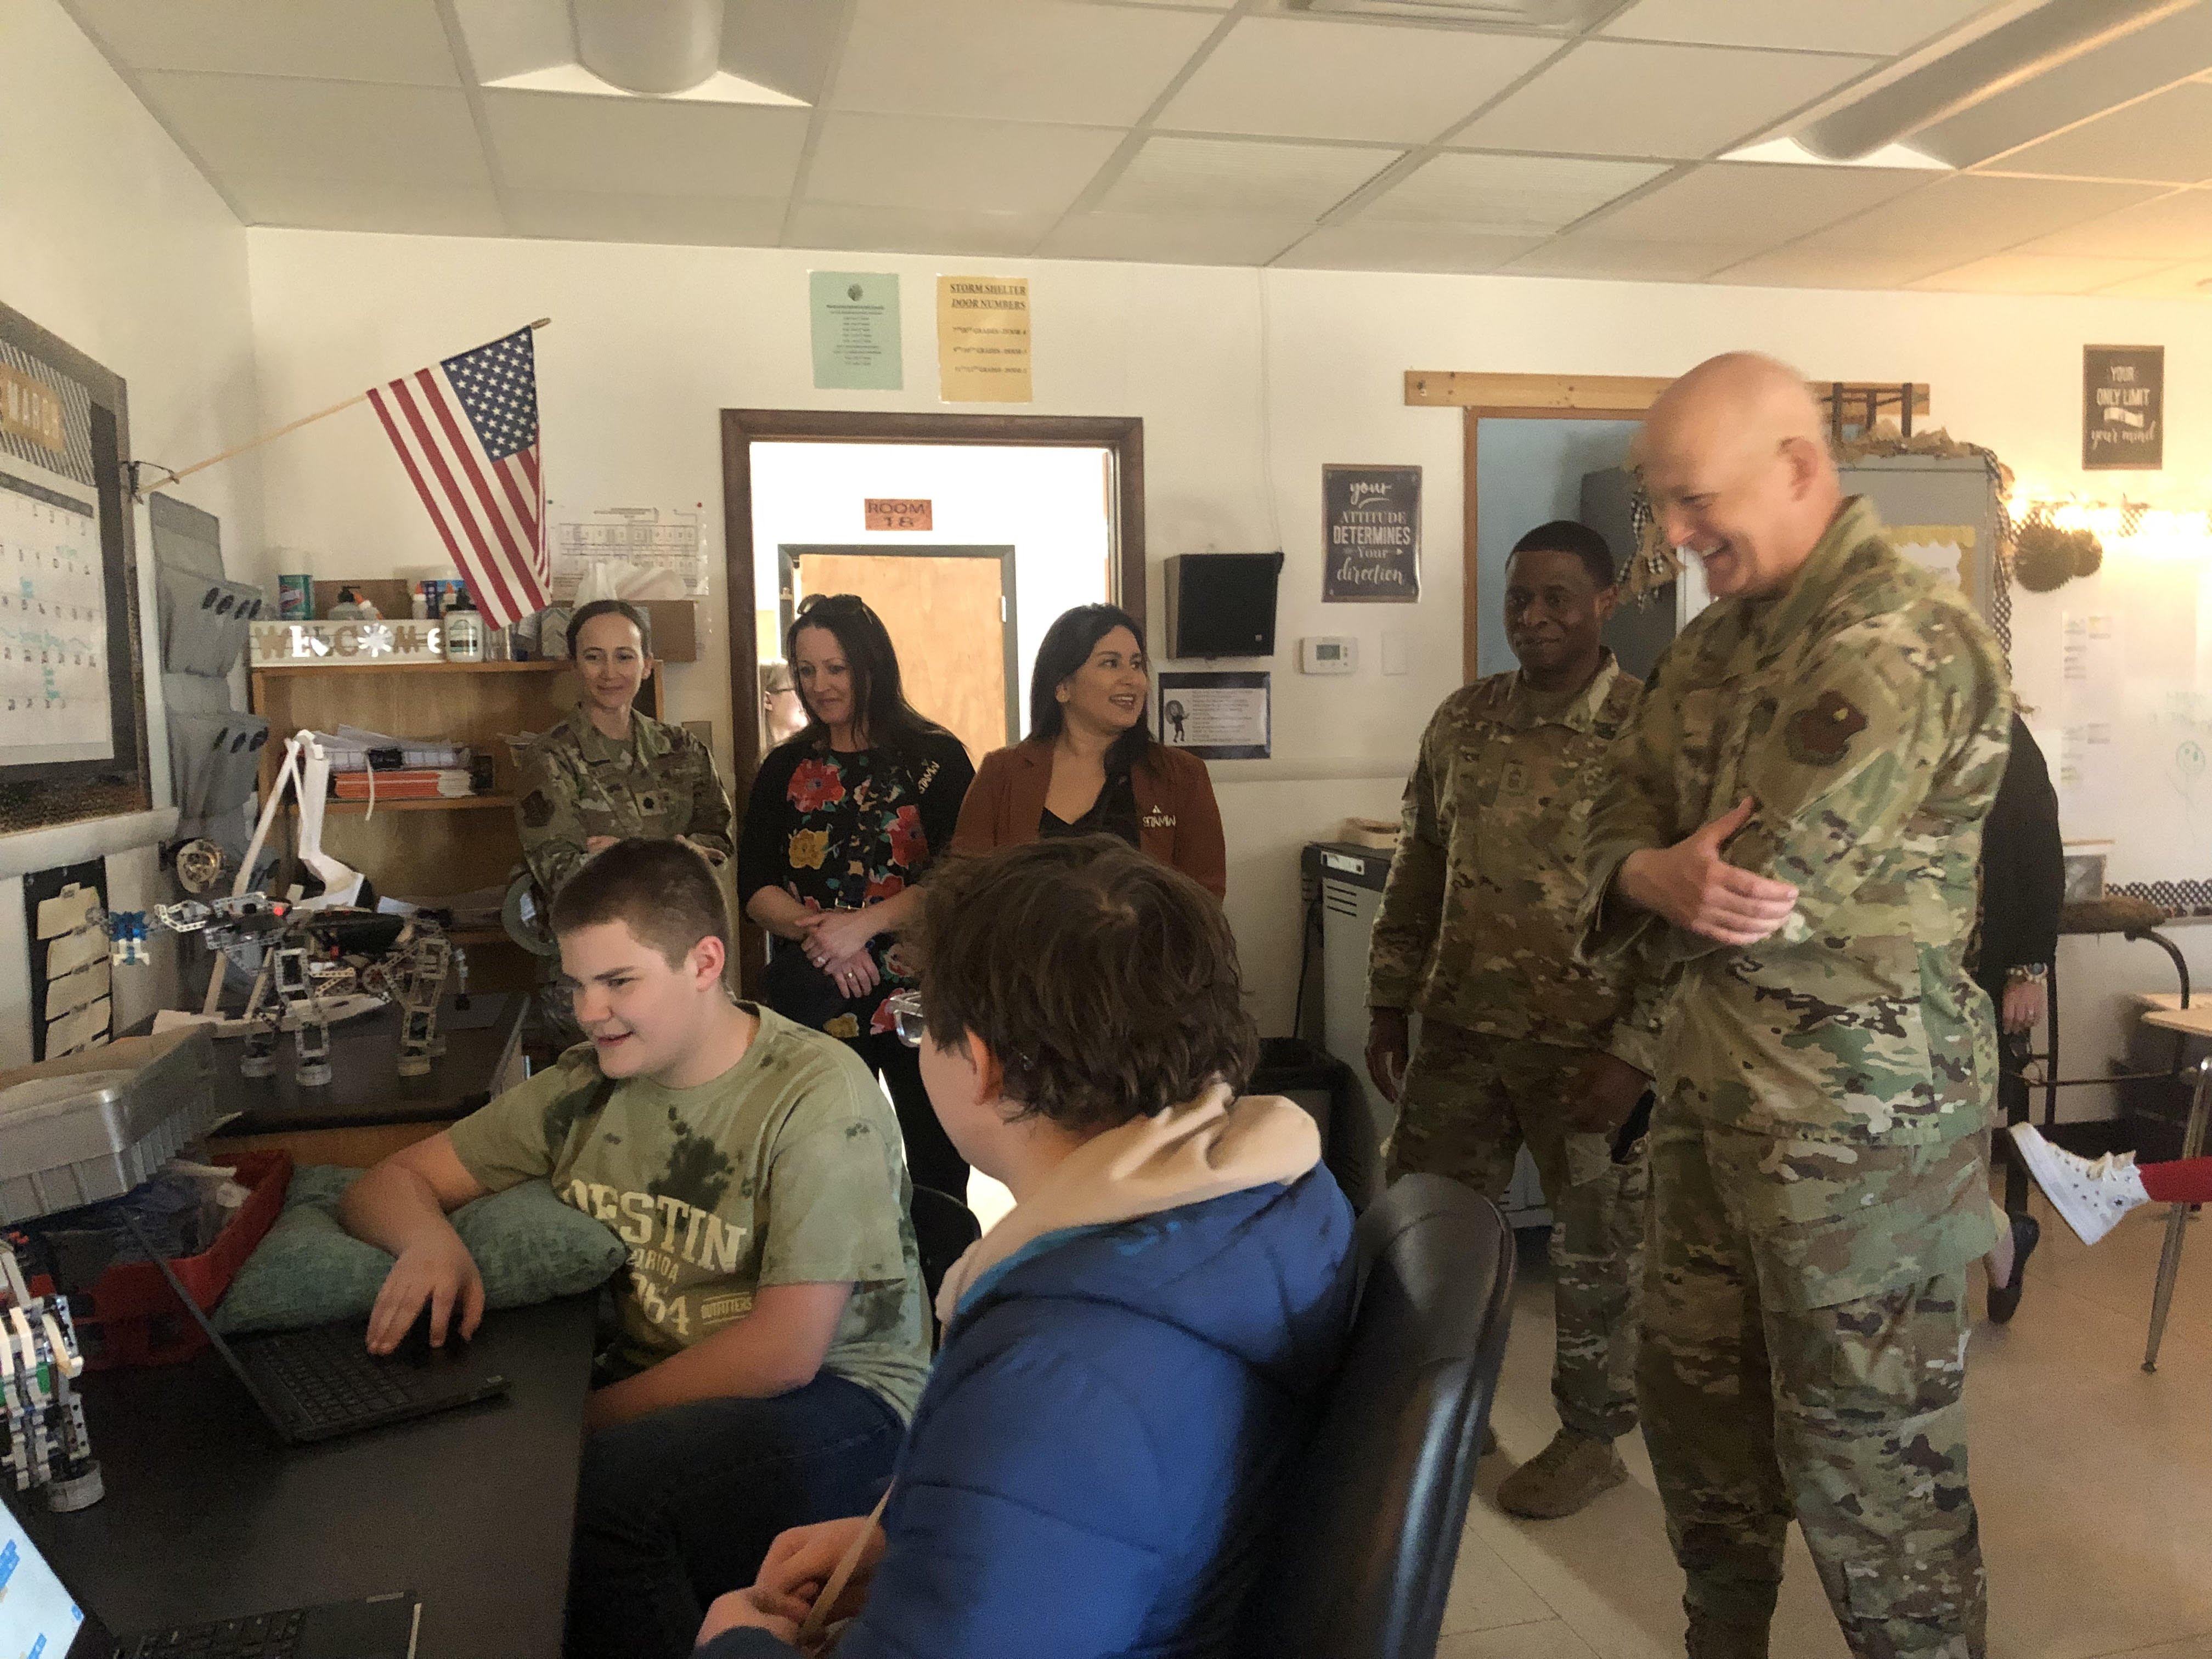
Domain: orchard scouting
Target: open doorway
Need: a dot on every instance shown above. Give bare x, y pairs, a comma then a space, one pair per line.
951, 613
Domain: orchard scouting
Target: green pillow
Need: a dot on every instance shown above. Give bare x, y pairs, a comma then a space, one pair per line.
528, 1245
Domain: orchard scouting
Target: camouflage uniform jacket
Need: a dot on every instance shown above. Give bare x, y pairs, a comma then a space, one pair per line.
577, 782
1476, 926
1866, 711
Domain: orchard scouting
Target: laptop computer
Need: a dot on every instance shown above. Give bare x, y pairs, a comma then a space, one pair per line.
321, 1382
41, 1617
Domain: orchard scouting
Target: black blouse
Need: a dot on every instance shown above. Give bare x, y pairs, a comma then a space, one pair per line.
843, 831
1114, 813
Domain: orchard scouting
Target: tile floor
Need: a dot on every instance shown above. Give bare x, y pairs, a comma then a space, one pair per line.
2093, 1482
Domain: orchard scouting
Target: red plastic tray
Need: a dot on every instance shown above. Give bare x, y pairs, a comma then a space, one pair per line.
131, 1317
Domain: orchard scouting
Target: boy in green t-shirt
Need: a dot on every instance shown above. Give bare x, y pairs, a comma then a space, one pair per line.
772, 1340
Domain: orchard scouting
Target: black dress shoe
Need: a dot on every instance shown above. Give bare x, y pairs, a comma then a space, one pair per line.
2027, 1233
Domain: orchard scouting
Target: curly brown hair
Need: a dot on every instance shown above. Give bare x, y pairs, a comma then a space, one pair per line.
1106, 983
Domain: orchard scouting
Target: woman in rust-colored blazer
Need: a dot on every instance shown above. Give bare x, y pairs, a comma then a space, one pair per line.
1090, 765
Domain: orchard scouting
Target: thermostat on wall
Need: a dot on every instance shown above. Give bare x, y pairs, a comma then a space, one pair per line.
1334, 653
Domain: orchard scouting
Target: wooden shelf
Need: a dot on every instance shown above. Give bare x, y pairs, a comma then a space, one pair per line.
442, 803
553, 666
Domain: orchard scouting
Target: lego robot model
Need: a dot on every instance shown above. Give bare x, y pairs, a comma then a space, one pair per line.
310, 956
47, 1444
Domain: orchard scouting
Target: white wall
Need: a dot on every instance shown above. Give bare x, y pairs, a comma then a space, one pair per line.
115, 243
1248, 384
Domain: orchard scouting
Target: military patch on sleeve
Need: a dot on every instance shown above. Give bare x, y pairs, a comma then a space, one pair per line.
1821, 734
537, 810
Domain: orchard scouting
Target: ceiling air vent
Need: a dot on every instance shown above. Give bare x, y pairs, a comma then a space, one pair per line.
1524, 14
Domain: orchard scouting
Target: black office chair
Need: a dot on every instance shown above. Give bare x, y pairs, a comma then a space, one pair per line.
943, 1228
1364, 1556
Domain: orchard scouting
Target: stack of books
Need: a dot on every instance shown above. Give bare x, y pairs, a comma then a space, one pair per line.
412, 783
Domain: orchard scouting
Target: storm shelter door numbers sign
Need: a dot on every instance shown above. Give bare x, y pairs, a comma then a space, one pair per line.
1372, 526
2123, 409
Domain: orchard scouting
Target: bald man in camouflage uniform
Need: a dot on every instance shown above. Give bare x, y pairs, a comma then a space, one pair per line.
1792, 832
1521, 1043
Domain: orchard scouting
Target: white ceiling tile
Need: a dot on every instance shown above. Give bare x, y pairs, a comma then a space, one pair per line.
960, 167
1214, 239
1881, 27
1199, 175
1622, 98
327, 129
1015, 60
1364, 246
1751, 203
2168, 137
556, 142
414, 209
1967, 215
684, 221
915, 230
394, 40
2030, 273
2176, 227
1628, 262
1299, 78
1801, 266
1517, 195
2192, 281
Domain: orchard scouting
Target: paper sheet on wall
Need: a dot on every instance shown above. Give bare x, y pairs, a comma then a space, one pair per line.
664, 542
983, 339
2088, 760
53, 621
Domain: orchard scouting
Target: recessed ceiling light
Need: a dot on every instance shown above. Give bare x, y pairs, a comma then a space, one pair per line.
1790, 153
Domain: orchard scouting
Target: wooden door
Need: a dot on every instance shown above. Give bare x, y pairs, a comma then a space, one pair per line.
947, 615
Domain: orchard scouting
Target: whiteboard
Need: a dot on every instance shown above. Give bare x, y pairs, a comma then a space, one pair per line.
2135, 716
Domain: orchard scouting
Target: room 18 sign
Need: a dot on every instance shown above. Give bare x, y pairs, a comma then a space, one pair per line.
2123, 409
1372, 529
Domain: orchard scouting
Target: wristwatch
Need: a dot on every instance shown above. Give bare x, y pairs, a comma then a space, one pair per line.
2028, 973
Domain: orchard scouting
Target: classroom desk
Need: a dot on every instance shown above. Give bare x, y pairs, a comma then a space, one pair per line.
209, 1515
367, 1109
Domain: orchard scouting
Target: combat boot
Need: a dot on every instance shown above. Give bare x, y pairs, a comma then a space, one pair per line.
1710, 1638
1562, 1478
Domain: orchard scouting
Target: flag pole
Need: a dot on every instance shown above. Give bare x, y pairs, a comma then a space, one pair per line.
138, 491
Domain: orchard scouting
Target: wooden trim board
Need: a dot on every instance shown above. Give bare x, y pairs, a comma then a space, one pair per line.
1533, 396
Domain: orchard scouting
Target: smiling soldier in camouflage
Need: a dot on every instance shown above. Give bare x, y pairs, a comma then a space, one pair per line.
1520, 1042
1791, 833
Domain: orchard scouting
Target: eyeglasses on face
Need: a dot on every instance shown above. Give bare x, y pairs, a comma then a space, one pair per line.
906, 1017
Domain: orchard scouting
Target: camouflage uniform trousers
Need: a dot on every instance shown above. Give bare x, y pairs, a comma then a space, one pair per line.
1766, 1395
1468, 1103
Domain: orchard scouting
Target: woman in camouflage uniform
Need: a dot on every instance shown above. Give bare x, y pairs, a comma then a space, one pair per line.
606, 772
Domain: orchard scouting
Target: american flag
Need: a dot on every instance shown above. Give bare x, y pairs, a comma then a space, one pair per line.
466, 431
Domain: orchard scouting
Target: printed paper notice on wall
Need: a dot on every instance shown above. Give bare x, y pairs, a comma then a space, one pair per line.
855, 316
983, 339
1217, 716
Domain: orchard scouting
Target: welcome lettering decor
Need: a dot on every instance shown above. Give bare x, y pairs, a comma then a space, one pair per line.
1371, 534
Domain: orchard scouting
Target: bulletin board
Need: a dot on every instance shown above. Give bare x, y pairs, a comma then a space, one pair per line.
73, 742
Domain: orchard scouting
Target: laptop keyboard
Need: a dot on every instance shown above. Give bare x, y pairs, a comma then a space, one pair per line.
269, 1635
332, 1379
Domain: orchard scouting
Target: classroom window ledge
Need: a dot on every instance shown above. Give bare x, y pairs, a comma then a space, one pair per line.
89, 838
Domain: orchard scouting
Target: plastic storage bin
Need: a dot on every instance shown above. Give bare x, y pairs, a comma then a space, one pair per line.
131, 1317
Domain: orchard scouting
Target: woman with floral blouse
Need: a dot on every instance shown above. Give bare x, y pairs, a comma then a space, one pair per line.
842, 820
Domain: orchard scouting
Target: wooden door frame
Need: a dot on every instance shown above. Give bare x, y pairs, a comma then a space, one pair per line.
1009, 594
1496, 397
1123, 434
1471, 595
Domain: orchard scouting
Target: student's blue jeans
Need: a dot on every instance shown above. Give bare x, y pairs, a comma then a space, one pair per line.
676, 1508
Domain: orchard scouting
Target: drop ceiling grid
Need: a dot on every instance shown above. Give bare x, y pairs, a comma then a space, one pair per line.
1185, 131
